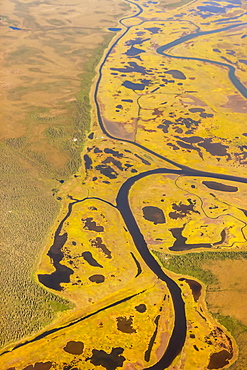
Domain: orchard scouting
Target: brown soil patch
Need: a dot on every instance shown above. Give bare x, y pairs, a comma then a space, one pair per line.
236, 103
75, 348
193, 100
117, 129
231, 297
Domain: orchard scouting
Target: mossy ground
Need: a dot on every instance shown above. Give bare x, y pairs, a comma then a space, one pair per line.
170, 112
225, 281
47, 72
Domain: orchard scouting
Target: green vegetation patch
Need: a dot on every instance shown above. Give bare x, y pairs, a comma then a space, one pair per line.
175, 4
28, 207
55, 22
28, 210
21, 54
191, 263
239, 332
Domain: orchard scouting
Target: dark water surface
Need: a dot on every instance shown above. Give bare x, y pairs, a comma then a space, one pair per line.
154, 214
115, 359
177, 338
220, 187
114, 29
231, 70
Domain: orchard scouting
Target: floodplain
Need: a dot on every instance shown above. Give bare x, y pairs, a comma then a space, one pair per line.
155, 218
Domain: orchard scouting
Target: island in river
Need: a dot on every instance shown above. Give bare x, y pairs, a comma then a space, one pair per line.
163, 179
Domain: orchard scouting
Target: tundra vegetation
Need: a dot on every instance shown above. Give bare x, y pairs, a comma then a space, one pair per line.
167, 132
47, 72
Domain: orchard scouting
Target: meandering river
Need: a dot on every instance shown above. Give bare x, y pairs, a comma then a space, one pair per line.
177, 338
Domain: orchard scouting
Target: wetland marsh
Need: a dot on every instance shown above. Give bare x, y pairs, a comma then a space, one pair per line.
158, 207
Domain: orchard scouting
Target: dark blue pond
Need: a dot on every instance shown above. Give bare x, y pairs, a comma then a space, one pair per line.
14, 28
136, 41
212, 9
153, 30
133, 67
134, 51
134, 86
114, 29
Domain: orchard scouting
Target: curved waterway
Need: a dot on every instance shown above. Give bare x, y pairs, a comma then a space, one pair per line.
235, 81
177, 339
178, 336
238, 84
